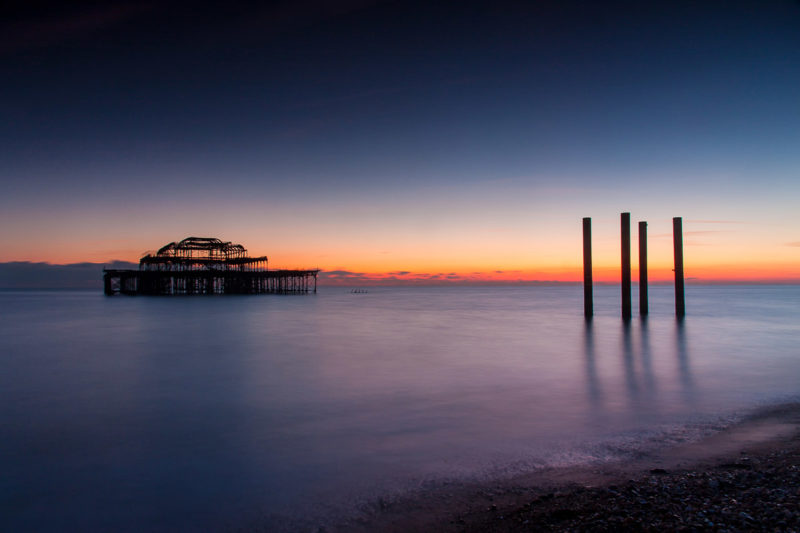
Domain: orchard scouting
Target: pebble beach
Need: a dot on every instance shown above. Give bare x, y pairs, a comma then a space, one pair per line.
744, 478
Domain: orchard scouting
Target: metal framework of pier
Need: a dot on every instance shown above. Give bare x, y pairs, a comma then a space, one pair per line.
204, 265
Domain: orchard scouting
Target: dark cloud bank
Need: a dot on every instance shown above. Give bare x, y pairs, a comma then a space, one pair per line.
28, 275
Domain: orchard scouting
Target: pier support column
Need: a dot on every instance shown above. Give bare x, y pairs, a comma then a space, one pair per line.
588, 302
625, 230
643, 303
677, 240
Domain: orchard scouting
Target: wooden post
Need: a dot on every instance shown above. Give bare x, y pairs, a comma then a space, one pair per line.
677, 240
643, 303
625, 227
588, 302
107, 283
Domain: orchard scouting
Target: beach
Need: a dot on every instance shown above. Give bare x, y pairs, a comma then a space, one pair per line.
744, 477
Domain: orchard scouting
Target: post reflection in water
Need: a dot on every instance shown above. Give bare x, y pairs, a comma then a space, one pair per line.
631, 382
592, 383
684, 367
635, 368
650, 383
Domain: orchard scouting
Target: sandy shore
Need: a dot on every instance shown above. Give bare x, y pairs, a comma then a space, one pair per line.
746, 477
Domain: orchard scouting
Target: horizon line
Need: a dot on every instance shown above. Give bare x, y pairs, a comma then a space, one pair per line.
15, 277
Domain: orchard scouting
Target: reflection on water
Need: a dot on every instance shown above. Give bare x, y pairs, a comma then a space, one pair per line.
179, 413
640, 373
631, 379
646, 355
592, 382
683, 358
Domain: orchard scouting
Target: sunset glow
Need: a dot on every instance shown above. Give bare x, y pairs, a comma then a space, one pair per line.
480, 171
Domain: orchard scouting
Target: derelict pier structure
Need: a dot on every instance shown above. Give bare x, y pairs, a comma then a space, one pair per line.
204, 265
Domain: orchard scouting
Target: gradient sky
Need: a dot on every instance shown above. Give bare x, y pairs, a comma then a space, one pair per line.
451, 140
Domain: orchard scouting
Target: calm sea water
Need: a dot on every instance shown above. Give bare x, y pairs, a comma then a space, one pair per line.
214, 413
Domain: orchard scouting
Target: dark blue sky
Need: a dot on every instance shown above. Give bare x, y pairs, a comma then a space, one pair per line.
119, 112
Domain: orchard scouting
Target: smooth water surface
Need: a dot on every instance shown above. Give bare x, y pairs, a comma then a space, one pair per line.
214, 413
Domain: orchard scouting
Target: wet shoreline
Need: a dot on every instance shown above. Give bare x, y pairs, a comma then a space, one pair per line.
745, 476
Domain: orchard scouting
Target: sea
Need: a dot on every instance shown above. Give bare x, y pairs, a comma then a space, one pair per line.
269, 412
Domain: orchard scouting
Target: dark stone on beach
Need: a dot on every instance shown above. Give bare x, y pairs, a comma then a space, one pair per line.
564, 514
658, 471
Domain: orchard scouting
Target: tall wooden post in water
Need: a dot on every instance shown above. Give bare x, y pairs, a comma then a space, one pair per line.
643, 303
677, 240
625, 229
588, 302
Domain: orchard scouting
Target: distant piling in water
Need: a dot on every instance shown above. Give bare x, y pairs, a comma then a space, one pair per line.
588, 301
677, 240
643, 301
625, 241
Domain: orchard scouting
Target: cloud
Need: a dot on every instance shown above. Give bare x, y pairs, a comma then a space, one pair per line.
706, 232
347, 278
715, 221
690, 233
795, 244
341, 274
28, 275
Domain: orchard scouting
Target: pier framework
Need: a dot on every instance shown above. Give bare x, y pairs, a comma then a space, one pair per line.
203, 265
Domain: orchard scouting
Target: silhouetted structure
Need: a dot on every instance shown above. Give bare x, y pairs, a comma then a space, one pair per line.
203, 265
677, 241
625, 230
588, 299
644, 306
625, 246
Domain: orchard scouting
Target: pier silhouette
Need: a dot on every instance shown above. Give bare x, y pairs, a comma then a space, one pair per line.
206, 265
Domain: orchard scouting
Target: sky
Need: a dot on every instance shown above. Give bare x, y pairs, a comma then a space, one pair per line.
405, 140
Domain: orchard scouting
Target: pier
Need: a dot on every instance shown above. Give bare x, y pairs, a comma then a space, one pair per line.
204, 265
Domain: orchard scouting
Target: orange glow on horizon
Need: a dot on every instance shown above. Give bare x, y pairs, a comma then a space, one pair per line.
601, 275
388, 268
461, 255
